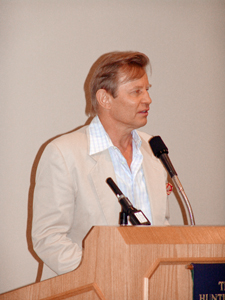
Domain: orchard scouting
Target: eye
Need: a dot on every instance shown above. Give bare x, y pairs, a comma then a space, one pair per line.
137, 91
148, 88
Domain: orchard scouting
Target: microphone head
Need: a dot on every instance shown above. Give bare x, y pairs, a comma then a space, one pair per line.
158, 146
113, 186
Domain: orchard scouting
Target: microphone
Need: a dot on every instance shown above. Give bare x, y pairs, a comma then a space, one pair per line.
161, 151
136, 216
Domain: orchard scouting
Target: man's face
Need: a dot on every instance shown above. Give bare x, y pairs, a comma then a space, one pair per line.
129, 109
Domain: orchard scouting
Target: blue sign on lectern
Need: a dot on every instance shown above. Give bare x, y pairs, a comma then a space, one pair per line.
209, 281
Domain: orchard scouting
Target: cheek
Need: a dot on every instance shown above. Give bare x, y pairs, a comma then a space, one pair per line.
125, 106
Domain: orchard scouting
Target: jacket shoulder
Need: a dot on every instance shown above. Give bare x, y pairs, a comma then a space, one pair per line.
72, 140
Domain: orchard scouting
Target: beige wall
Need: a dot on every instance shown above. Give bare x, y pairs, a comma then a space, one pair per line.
46, 50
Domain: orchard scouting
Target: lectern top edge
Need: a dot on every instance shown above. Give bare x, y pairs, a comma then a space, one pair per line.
173, 234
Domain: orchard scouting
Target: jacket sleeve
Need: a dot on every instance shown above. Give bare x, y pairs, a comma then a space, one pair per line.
53, 212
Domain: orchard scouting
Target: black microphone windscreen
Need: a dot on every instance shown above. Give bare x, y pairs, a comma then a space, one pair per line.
113, 186
158, 146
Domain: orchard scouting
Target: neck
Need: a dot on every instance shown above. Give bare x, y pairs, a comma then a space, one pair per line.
120, 136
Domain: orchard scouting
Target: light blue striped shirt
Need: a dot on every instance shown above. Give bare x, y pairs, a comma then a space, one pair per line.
131, 181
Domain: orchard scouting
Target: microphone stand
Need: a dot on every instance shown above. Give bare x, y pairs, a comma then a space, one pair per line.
161, 151
123, 218
180, 188
136, 216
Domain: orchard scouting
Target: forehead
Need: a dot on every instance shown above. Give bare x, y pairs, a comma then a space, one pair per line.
135, 82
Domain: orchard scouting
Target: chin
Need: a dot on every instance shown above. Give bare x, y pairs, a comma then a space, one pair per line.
140, 125
143, 123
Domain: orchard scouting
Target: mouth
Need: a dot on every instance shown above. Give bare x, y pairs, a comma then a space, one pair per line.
144, 111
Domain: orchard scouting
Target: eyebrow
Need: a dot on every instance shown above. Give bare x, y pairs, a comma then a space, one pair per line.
141, 86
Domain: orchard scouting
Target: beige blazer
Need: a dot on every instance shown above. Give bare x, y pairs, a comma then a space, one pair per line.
71, 195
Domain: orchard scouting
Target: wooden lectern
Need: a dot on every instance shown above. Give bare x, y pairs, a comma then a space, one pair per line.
133, 262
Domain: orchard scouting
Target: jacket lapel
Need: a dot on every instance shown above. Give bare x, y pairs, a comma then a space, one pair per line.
103, 168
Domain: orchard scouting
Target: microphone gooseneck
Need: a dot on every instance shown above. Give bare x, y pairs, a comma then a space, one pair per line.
161, 151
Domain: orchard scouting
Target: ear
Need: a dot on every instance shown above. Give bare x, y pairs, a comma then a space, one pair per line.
103, 98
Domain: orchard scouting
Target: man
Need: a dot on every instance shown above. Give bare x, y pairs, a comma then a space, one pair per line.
71, 194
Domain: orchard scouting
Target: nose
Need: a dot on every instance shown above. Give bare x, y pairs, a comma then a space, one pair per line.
147, 99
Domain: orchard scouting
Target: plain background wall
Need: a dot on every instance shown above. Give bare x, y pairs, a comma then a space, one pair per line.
46, 50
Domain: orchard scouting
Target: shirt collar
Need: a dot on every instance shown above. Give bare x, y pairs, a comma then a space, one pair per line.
99, 139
